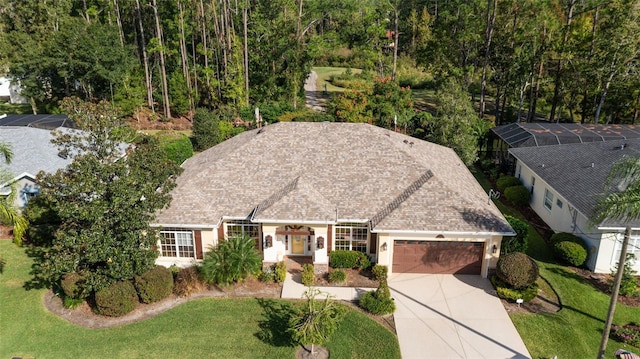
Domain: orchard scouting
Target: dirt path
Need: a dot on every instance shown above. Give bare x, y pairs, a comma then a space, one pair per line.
312, 101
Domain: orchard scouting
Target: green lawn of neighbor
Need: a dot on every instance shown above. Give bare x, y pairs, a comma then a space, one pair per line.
204, 328
324, 73
576, 330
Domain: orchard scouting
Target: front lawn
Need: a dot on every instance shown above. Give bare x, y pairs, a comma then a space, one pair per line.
576, 330
211, 328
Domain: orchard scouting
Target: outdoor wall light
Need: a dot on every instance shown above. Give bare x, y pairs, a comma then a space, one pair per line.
268, 242
384, 246
494, 249
320, 242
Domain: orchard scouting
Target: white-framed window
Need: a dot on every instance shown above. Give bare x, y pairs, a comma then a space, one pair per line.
351, 237
178, 243
240, 228
548, 199
633, 248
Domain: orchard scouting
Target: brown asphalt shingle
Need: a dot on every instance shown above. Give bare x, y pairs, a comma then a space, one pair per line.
301, 171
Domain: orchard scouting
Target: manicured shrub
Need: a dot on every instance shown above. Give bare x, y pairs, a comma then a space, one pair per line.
116, 300
628, 283
70, 287
505, 182
154, 285
187, 282
337, 276
519, 242
570, 252
526, 294
379, 301
308, 275
349, 259
280, 272
178, 149
267, 275
233, 260
518, 195
566, 237
517, 270
71, 303
627, 334
380, 272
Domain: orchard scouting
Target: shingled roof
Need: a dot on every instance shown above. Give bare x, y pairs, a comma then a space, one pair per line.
578, 171
301, 172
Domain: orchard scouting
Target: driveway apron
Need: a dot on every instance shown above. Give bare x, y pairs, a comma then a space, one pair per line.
452, 316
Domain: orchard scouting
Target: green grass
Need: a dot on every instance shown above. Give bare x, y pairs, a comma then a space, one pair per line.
168, 133
576, 330
324, 73
205, 328
19, 109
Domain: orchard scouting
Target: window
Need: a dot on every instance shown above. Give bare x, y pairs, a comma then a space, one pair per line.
633, 248
351, 237
240, 228
559, 203
177, 243
533, 183
548, 199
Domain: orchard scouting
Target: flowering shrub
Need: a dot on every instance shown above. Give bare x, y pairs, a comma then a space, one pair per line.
628, 334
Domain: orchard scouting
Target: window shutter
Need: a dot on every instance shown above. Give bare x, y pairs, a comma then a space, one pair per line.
373, 244
329, 238
197, 239
221, 232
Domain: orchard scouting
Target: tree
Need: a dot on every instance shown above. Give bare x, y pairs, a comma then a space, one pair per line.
232, 260
620, 203
315, 323
9, 215
104, 200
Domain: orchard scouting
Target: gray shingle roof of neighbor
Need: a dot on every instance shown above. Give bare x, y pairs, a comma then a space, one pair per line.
578, 171
328, 172
32, 151
544, 134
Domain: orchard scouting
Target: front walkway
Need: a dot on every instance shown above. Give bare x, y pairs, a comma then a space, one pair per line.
452, 316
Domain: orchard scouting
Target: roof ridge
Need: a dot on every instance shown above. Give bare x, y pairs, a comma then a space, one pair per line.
275, 197
411, 189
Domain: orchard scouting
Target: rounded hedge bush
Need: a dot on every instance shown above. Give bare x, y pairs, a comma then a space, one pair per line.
566, 237
379, 301
505, 182
349, 259
178, 149
154, 285
380, 272
518, 195
337, 276
517, 270
570, 252
308, 275
116, 300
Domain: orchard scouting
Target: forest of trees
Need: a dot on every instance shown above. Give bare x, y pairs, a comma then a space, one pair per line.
569, 60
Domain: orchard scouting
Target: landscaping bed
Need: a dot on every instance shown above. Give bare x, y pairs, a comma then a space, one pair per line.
602, 282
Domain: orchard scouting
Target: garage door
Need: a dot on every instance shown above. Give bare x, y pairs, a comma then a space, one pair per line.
437, 257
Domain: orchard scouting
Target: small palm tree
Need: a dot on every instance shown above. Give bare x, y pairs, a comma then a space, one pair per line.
622, 203
233, 260
9, 215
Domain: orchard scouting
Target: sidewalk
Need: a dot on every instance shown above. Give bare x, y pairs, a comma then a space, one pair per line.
292, 288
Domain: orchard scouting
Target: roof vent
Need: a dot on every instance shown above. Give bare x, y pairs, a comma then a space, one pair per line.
622, 146
593, 164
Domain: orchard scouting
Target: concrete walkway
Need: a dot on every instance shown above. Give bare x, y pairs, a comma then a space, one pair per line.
292, 288
447, 316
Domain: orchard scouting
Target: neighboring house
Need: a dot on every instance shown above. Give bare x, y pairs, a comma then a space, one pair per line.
11, 90
305, 189
32, 152
566, 182
520, 135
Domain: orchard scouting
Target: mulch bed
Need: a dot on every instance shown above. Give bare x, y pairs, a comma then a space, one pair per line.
602, 282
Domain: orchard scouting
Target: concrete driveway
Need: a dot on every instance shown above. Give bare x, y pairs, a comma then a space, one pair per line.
452, 316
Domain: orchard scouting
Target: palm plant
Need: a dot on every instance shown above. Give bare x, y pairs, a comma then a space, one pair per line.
9, 215
233, 260
621, 203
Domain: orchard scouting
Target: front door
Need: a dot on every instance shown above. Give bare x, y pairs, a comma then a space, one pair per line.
297, 244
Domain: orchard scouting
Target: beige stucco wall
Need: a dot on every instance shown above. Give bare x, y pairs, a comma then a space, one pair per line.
385, 257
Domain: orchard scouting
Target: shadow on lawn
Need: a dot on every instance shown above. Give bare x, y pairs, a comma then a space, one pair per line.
574, 277
274, 328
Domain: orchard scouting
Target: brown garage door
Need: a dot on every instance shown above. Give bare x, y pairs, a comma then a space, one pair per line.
437, 257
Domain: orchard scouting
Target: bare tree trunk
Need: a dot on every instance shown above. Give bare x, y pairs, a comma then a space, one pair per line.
298, 40
163, 69
203, 27
558, 78
614, 294
184, 57
119, 21
491, 20
246, 57
396, 36
596, 118
636, 111
145, 59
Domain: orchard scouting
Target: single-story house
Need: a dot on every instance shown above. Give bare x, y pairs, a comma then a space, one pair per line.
32, 152
566, 181
306, 189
